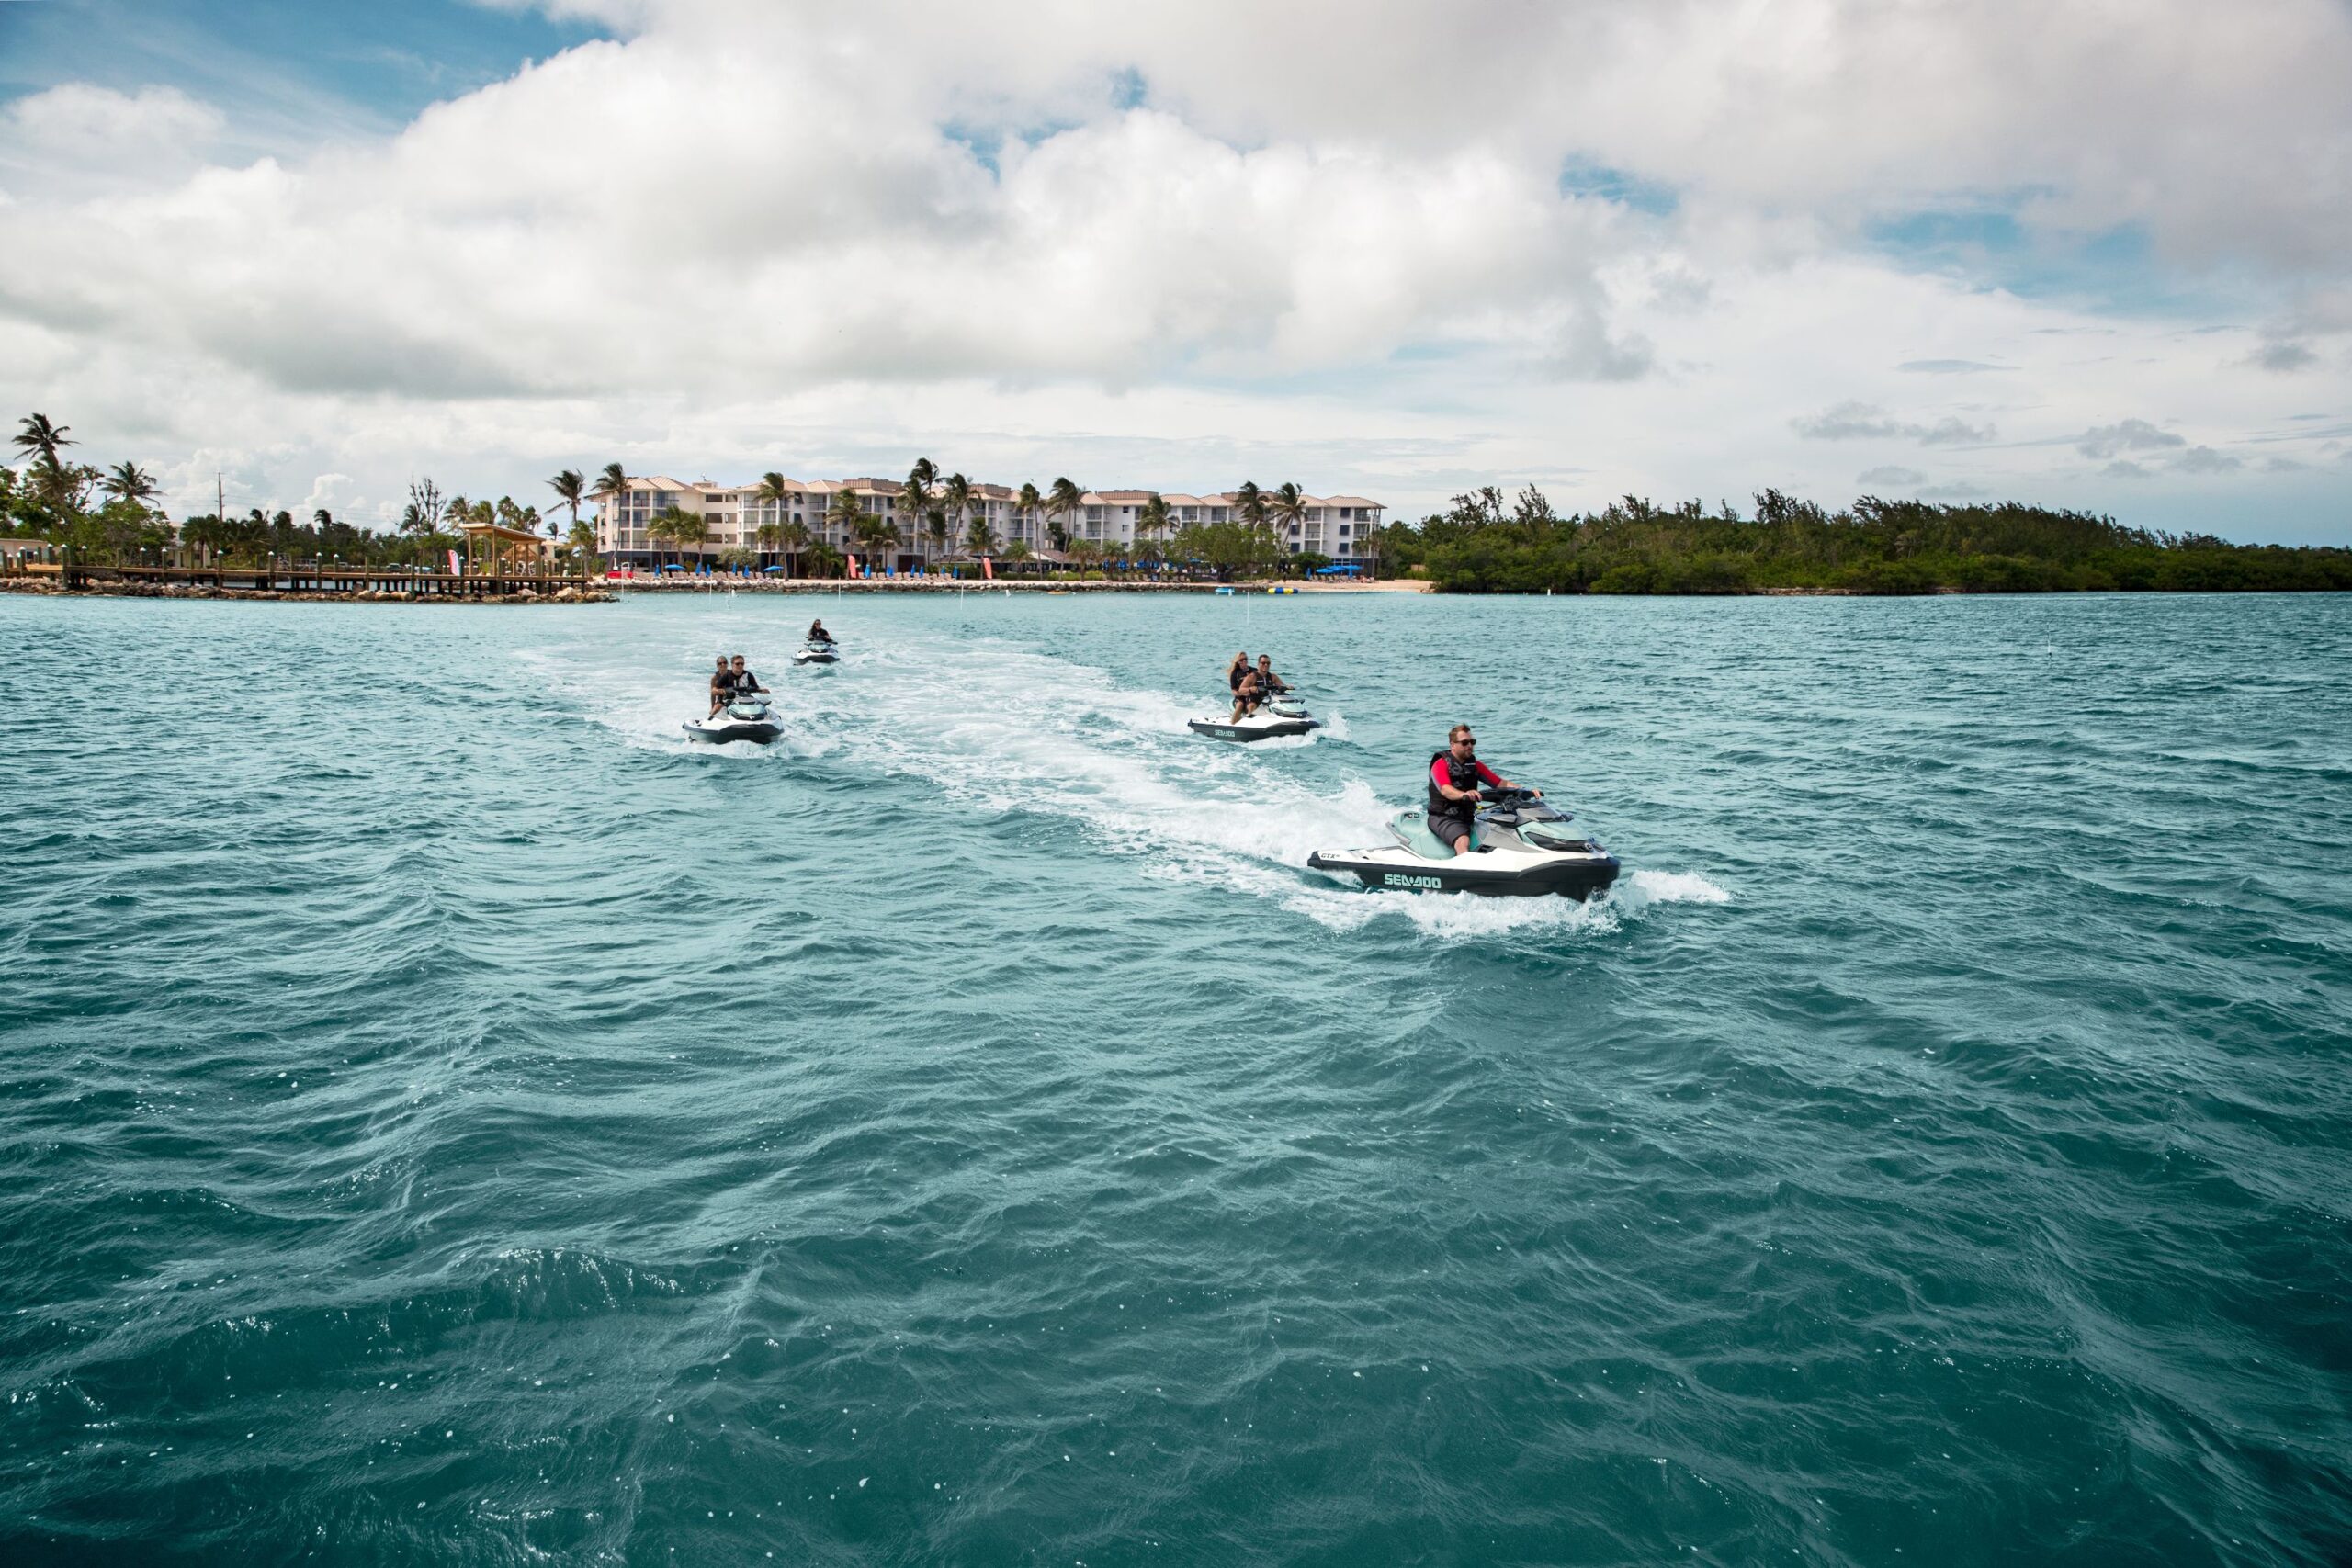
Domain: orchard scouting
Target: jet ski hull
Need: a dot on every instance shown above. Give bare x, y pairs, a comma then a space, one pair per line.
816, 658
720, 731
1252, 729
1571, 876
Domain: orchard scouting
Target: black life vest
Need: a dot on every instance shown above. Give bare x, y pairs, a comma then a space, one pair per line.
1461, 775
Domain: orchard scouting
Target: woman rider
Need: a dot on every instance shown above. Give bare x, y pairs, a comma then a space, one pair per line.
1455, 774
1249, 691
722, 685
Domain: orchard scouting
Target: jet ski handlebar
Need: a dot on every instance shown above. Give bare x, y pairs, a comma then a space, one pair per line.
1513, 805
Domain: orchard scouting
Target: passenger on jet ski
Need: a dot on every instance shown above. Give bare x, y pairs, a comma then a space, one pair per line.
1455, 774
722, 686
1247, 696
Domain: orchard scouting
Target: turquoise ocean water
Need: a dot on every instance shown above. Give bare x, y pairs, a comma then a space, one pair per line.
450, 1120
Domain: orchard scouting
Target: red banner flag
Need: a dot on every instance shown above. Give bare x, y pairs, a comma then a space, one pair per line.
987, 570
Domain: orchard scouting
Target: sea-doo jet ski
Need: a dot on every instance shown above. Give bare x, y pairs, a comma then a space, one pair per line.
746, 717
817, 653
1517, 845
1284, 715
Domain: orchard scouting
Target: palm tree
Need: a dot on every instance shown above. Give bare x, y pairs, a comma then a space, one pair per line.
1287, 505
794, 538
570, 489
771, 535
845, 513
612, 487
36, 435
775, 491
919, 478
1064, 501
680, 528
124, 482
1030, 503
1249, 504
956, 495
979, 538
878, 533
1154, 520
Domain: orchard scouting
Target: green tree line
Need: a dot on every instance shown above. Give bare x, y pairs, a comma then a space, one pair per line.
110, 515
1485, 544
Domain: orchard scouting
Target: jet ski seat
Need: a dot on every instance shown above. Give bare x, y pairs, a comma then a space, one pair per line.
1413, 830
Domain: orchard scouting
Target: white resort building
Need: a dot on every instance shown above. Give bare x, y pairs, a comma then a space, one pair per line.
732, 516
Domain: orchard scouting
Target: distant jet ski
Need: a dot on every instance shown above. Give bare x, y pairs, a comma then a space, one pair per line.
1284, 715
817, 653
1517, 845
745, 717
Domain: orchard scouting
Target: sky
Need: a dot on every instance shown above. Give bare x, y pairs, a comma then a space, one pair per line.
2081, 253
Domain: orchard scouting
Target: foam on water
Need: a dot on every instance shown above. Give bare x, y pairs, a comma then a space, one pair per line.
1001, 727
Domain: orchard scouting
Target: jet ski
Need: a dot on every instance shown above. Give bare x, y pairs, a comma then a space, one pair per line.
1519, 845
817, 653
745, 717
1282, 715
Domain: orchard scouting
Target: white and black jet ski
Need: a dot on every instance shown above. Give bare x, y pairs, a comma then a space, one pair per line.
817, 653
1282, 715
1519, 845
746, 717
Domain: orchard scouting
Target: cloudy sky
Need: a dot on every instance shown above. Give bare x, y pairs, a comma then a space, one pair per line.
2091, 252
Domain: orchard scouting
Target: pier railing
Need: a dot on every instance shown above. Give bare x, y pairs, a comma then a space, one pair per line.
283, 575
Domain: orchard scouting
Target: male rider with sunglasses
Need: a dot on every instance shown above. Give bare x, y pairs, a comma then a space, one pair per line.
1455, 774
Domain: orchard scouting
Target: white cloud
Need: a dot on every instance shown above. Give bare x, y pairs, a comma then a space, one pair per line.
71, 139
2205, 460
2128, 436
1852, 421
761, 236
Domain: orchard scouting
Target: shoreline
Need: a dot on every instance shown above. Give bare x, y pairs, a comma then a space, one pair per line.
50, 588
1011, 585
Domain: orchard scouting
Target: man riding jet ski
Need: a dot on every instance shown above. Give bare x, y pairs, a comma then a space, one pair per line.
1263, 706
1513, 845
739, 708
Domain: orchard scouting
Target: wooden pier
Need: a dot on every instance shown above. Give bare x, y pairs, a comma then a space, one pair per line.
313, 579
